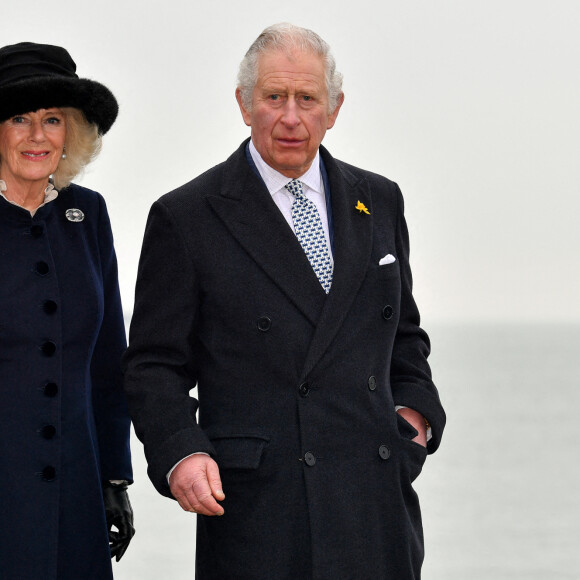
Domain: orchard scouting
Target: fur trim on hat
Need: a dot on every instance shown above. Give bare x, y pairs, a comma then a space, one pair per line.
95, 100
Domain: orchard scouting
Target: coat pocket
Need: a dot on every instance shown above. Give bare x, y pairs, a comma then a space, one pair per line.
406, 430
388, 270
239, 451
414, 453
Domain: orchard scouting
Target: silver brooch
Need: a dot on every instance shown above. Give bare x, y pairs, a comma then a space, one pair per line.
74, 215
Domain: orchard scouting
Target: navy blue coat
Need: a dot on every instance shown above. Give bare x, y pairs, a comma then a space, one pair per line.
296, 389
64, 425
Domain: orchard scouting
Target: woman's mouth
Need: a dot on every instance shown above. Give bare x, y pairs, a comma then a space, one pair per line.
35, 154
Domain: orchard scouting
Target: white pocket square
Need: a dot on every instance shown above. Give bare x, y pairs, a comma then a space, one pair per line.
388, 259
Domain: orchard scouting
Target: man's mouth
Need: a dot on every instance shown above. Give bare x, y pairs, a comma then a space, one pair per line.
290, 141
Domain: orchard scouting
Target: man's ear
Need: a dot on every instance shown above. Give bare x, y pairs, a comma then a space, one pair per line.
332, 117
245, 113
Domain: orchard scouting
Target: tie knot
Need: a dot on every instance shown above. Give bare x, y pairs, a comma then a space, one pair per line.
295, 187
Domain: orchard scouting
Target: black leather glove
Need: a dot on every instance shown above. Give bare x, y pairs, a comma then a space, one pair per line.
119, 513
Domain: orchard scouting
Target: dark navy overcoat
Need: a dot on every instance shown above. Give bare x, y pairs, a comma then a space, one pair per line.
64, 426
296, 389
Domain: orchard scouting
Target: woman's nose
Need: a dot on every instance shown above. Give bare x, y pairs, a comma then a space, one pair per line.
37, 133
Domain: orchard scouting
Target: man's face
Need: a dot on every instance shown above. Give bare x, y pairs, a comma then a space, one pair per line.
290, 113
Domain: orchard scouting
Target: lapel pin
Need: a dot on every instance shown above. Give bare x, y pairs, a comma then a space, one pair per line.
74, 215
361, 207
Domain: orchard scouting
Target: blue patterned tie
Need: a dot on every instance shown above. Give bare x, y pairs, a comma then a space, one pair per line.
310, 233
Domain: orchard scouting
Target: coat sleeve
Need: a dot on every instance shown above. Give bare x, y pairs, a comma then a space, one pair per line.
109, 403
410, 373
158, 365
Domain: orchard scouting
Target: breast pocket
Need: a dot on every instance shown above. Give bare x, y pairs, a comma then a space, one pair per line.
388, 270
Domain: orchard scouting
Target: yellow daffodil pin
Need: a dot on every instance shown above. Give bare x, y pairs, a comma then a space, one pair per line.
361, 207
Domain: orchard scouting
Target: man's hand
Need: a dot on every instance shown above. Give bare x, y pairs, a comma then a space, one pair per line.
418, 421
196, 485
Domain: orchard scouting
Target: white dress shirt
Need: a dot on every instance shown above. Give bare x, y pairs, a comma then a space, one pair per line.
312, 185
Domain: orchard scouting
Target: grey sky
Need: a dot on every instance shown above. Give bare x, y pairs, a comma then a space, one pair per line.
471, 107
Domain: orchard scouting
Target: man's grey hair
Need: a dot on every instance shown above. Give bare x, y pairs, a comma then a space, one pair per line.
287, 37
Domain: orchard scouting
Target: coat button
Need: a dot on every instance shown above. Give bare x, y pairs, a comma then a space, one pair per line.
48, 348
48, 431
51, 389
49, 306
48, 473
304, 389
42, 268
309, 459
384, 452
388, 312
264, 323
36, 231
372, 383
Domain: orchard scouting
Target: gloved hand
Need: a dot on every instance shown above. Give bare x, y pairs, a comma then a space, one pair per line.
119, 513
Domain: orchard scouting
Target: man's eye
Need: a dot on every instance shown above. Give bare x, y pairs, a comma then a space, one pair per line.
306, 98
274, 97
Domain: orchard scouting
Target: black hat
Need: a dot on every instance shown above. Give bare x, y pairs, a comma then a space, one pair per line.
40, 76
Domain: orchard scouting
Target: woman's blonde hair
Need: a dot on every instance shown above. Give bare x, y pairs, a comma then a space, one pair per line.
82, 145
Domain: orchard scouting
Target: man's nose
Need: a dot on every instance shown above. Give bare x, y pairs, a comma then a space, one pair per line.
290, 117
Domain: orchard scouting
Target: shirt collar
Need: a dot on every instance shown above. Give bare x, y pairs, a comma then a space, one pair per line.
275, 181
50, 194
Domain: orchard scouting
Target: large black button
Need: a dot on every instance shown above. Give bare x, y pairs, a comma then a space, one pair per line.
49, 306
264, 323
384, 452
48, 473
309, 459
388, 312
48, 348
48, 431
51, 389
372, 383
42, 268
36, 231
304, 389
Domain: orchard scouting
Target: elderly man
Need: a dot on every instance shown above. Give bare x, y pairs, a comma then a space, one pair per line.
278, 283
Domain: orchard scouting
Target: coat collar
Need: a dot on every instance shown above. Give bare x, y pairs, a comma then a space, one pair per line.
251, 215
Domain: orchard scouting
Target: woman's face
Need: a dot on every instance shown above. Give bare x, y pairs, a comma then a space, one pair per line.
31, 146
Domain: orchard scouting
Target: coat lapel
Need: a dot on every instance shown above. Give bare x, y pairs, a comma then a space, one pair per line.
247, 209
352, 251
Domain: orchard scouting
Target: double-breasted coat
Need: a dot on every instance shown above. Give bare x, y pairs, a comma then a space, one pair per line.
64, 424
296, 390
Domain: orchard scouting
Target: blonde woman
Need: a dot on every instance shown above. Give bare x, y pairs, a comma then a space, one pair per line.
64, 427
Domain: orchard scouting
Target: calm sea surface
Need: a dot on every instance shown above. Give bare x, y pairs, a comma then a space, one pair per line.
501, 498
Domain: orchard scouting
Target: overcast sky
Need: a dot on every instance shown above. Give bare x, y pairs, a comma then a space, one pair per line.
472, 107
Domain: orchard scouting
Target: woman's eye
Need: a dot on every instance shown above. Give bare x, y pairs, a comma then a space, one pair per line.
53, 121
18, 120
